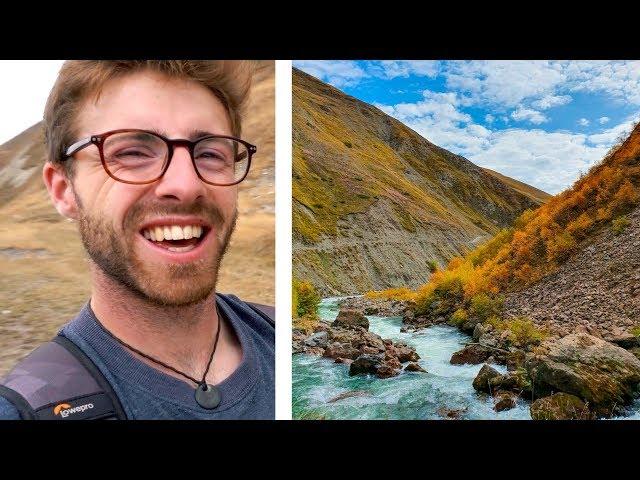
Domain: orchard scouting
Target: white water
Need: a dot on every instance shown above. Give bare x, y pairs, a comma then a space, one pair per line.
410, 395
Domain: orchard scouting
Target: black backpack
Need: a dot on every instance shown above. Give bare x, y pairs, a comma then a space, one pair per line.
58, 381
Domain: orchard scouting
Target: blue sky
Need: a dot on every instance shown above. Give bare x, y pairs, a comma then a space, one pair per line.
541, 122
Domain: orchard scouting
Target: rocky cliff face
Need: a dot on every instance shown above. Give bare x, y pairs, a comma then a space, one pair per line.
374, 202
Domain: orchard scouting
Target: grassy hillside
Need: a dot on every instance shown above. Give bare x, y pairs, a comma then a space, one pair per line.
356, 169
533, 193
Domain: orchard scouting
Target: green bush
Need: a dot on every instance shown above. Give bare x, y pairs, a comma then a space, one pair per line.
305, 299
635, 331
618, 225
459, 317
445, 299
483, 307
524, 333
433, 266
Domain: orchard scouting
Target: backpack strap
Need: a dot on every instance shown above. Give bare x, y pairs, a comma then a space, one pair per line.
268, 312
58, 381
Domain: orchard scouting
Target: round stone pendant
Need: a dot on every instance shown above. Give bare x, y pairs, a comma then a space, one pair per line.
207, 396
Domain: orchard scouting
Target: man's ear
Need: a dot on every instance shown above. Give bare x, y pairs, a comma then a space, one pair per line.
60, 190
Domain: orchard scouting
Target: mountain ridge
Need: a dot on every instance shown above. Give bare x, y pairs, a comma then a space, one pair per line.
359, 174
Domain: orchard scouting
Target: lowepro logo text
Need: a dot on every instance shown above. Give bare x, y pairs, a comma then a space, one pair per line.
64, 409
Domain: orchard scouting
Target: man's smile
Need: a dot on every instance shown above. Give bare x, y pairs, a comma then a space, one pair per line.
179, 240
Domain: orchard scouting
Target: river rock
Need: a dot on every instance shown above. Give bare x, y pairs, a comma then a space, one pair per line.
298, 341
470, 325
341, 350
451, 413
482, 382
346, 361
504, 400
386, 371
478, 330
489, 340
473, 353
318, 339
560, 406
515, 381
375, 306
403, 352
365, 364
414, 367
598, 372
515, 359
351, 318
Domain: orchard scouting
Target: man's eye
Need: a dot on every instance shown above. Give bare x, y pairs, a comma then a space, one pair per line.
211, 155
133, 153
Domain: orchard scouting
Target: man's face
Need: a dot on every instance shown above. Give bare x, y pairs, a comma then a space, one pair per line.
115, 217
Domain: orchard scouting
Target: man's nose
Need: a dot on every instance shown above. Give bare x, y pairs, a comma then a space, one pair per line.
181, 181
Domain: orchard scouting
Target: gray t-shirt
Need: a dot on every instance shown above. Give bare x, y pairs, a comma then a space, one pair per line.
147, 393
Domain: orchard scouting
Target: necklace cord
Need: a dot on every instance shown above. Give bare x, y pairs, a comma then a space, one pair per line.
148, 357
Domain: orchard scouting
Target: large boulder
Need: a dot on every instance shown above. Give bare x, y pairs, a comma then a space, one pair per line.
598, 372
414, 367
478, 331
366, 364
560, 406
351, 318
473, 353
403, 352
341, 350
482, 382
504, 401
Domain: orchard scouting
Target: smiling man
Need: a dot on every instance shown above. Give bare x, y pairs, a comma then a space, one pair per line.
146, 156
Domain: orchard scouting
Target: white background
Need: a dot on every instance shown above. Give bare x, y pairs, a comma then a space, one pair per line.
25, 87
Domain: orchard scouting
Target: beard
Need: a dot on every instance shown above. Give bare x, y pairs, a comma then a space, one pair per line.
162, 284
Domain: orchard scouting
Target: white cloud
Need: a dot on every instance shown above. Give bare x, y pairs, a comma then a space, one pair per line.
583, 122
404, 68
436, 107
550, 101
339, 73
610, 136
550, 161
504, 83
603, 120
619, 80
489, 118
521, 114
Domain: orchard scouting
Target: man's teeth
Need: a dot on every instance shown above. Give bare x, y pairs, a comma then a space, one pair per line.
172, 232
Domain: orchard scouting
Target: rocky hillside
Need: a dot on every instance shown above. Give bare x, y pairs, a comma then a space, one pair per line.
44, 276
571, 265
597, 291
374, 202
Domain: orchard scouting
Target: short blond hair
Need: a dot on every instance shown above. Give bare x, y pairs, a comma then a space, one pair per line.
228, 80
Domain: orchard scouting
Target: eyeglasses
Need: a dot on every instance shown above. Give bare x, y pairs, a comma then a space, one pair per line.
139, 156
